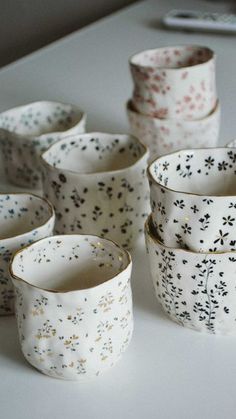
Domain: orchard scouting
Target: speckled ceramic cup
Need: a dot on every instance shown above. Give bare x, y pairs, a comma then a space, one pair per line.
193, 199
174, 82
27, 131
73, 304
197, 290
97, 183
163, 136
24, 218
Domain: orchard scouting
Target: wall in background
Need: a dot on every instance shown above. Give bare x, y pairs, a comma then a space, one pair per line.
27, 25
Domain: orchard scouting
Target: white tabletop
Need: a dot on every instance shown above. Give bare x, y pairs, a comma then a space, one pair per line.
168, 371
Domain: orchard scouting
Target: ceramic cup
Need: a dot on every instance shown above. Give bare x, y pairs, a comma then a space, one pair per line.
27, 131
24, 218
97, 184
163, 136
197, 290
174, 82
73, 304
193, 199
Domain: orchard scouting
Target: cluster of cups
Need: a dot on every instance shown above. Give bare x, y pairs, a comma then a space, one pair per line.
174, 103
60, 270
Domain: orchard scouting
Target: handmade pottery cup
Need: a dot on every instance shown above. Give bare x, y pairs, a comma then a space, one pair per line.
197, 290
24, 218
27, 131
174, 82
193, 199
162, 136
73, 304
97, 184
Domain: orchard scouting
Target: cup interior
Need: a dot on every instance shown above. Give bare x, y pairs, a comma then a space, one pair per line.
172, 57
40, 118
209, 171
93, 153
69, 262
21, 213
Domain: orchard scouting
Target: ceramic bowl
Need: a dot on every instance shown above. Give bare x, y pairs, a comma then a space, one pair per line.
193, 198
197, 290
27, 131
97, 184
24, 218
174, 82
73, 304
162, 136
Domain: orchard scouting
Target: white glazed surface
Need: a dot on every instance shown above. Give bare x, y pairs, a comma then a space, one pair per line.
27, 131
24, 218
97, 183
73, 304
193, 199
197, 290
174, 82
163, 136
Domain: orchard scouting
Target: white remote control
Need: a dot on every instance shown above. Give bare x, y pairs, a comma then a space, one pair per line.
188, 19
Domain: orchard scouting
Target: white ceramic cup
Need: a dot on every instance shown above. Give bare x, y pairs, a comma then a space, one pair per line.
163, 136
193, 199
73, 304
24, 218
27, 131
197, 290
97, 183
174, 82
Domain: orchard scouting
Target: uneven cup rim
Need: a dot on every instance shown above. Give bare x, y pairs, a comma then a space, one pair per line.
151, 235
175, 191
172, 69
45, 163
50, 208
56, 237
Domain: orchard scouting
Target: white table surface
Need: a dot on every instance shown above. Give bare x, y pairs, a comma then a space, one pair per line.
168, 371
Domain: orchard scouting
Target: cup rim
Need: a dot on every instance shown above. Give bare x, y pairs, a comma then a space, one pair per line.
166, 188
90, 174
40, 198
82, 117
172, 69
62, 236
214, 111
152, 236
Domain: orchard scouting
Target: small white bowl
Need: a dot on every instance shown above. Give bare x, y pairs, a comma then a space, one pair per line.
163, 136
24, 218
97, 183
196, 290
193, 198
174, 82
27, 131
73, 304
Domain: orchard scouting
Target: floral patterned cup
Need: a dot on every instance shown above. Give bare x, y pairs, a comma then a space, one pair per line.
174, 82
197, 290
73, 304
193, 199
27, 131
165, 135
24, 218
97, 184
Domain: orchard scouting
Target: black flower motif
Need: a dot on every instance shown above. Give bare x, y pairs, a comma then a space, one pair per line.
222, 237
179, 203
228, 220
62, 178
209, 162
223, 165
186, 228
194, 209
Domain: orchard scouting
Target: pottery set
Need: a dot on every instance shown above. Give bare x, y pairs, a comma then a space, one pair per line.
27, 131
190, 236
174, 103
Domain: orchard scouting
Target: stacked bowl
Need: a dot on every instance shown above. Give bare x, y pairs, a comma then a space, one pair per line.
174, 103
191, 237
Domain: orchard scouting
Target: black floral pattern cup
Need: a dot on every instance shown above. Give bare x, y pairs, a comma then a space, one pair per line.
27, 131
193, 199
196, 290
73, 304
97, 183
